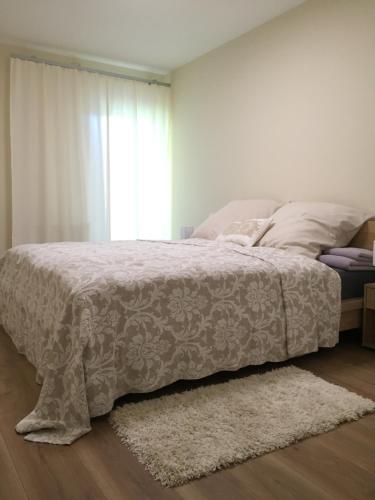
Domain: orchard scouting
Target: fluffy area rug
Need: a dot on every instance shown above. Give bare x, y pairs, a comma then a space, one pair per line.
184, 436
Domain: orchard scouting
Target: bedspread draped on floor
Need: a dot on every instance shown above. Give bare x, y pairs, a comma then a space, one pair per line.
100, 320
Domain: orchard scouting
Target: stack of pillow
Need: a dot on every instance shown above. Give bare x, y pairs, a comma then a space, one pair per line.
349, 259
304, 228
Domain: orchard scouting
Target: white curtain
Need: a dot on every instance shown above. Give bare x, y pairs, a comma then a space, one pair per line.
89, 154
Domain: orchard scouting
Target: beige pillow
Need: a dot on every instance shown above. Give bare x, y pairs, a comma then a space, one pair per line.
245, 232
235, 211
247, 226
308, 228
240, 239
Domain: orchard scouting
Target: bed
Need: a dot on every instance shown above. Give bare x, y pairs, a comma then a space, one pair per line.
100, 320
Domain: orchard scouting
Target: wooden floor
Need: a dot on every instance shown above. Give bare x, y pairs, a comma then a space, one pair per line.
336, 465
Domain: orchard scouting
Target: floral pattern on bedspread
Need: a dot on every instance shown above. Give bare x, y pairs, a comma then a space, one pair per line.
100, 320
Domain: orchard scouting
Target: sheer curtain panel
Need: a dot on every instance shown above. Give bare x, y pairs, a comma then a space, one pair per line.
89, 154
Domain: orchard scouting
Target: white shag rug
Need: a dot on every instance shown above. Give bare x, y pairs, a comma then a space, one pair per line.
184, 436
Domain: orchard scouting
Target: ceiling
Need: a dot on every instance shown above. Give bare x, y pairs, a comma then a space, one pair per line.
153, 34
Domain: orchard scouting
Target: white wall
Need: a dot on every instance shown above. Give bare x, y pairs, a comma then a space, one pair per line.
5, 177
286, 111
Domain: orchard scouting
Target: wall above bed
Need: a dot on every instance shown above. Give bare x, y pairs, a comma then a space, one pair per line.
286, 112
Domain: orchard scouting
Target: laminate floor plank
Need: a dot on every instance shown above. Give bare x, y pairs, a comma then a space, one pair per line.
276, 479
338, 476
209, 488
10, 483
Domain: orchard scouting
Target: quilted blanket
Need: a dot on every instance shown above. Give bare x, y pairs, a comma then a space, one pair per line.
100, 320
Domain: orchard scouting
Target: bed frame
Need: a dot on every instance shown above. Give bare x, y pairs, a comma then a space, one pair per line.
352, 309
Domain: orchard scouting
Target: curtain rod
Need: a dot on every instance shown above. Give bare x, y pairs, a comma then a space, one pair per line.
79, 67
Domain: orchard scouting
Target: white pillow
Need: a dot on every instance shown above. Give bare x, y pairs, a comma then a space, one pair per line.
240, 239
235, 211
245, 232
308, 228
